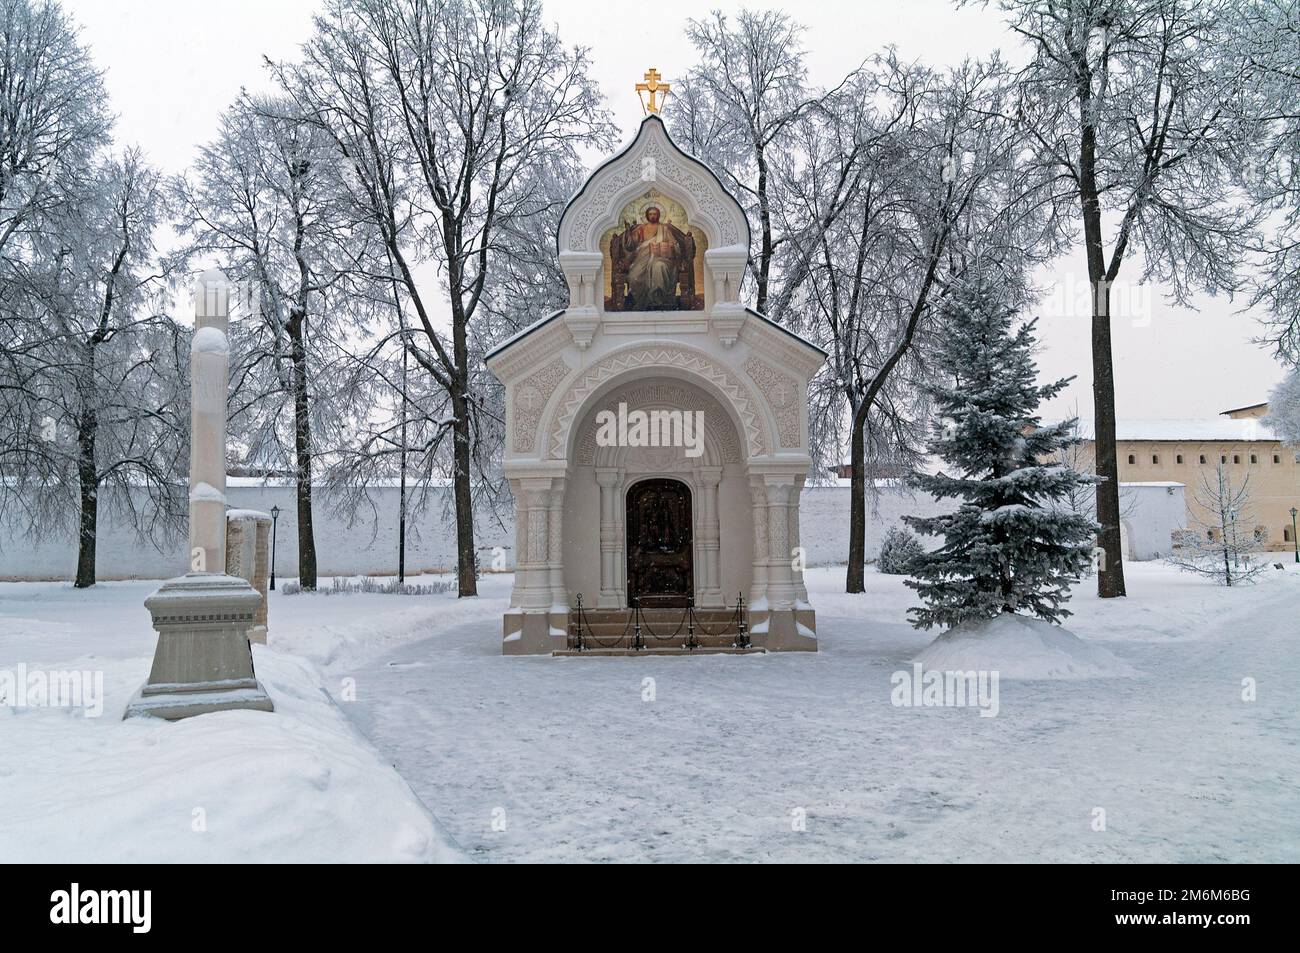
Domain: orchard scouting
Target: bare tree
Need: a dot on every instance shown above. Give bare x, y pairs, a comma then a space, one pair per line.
939, 194
53, 117
1220, 547
1139, 123
440, 107
735, 110
1284, 408
1266, 37
99, 365
264, 202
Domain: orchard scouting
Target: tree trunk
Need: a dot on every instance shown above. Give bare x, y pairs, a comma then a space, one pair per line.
87, 430
302, 447
765, 227
855, 580
1110, 572
1110, 575
466, 570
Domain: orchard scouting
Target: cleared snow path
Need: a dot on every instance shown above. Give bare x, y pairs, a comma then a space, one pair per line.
562, 759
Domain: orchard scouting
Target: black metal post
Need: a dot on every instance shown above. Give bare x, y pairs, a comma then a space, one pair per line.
577, 626
275, 520
690, 622
743, 640
1294, 538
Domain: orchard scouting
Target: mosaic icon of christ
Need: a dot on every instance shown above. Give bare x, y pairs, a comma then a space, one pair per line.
656, 253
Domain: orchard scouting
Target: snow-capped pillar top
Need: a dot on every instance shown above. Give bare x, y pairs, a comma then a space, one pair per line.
212, 301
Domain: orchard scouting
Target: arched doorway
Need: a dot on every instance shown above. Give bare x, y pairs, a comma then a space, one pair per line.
660, 544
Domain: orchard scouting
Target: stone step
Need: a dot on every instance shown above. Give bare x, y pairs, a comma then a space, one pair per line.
659, 625
656, 650
595, 616
662, 626
627, 643
612, 631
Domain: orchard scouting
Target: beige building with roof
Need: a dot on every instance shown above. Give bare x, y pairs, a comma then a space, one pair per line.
1190, 451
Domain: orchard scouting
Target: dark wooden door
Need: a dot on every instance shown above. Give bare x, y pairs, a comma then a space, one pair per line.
659, 543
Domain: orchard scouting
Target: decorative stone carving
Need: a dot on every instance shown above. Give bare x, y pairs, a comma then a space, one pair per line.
652, 158
513, 359
665, 394
531, 395
782, 393
672, 356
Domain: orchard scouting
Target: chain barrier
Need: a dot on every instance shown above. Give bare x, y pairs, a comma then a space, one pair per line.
580, 632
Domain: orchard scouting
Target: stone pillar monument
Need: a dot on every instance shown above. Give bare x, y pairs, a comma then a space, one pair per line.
203, 661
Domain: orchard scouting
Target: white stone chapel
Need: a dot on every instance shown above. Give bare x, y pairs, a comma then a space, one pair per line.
657, 428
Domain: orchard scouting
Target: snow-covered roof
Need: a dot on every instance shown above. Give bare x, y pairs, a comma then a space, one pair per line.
1189, 430
522, 333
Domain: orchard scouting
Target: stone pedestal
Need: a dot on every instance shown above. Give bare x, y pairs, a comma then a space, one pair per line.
248, 533
203, 662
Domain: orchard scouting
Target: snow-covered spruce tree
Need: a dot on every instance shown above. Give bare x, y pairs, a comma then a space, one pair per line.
1009, 547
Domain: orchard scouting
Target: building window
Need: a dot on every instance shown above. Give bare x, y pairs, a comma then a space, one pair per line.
1132, 459
1223, 458
1202, 459
1155, 459
1277, 458
1178, 458
1236, 458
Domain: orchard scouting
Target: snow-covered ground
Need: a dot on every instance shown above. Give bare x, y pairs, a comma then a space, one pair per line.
301, 784
793, 757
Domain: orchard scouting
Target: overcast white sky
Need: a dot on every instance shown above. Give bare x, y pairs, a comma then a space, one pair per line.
173, 65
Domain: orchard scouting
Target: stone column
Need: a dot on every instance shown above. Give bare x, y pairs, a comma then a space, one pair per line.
209, 382
538, 617
709, 584
758, 506
521, 544
537, 505
555, 548
203, 661
800, 589
608, 478
780, 578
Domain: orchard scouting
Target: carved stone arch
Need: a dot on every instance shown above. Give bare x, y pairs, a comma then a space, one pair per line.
721, 443
671, 360
653, 160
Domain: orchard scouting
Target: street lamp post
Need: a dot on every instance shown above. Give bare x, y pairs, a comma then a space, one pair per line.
275, 518
1294, 538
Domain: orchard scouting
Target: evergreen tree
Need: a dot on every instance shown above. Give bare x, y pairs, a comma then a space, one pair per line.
1011, 546
897, 550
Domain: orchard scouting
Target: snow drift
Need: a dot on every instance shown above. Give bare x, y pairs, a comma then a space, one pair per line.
1018, 646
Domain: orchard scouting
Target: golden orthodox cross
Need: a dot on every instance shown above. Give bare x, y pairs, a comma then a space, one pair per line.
653, 84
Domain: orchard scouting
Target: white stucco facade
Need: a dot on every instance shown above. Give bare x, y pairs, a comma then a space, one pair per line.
745, 378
